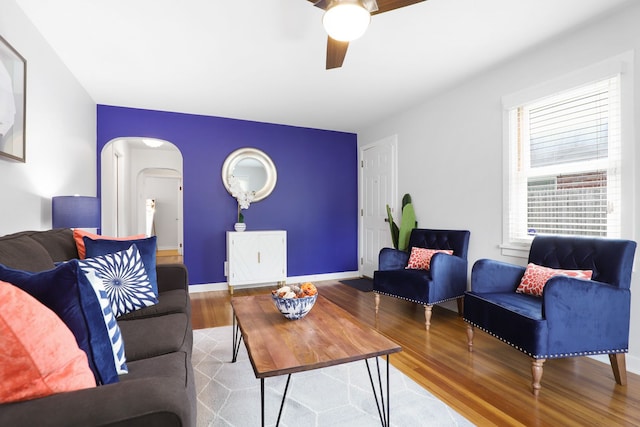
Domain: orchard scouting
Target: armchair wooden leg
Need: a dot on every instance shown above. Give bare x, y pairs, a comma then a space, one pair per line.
470, 336
427, 315
377, 302
619, 366
460, 302
536, 374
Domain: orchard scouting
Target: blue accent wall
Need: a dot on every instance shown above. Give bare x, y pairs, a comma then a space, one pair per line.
315, 199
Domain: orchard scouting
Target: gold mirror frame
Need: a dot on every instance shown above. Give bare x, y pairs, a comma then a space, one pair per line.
260, 156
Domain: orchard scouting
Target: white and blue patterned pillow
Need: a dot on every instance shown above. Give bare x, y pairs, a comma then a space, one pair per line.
124, 278
115, 337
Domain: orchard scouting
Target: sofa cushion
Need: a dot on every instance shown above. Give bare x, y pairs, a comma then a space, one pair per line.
415, 284
147, 248
170, 365
515, 318
154, 336
522, 304
67, 292
175, 301
124, 278
23, 253
536, 276
39, 354
57, 242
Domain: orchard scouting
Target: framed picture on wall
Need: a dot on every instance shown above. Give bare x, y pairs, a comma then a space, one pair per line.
13, 91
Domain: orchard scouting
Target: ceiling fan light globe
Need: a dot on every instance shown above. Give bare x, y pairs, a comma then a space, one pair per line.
346, 21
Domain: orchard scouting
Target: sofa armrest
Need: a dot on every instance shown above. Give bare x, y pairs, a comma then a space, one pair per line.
449, 272
488, 275
143, 402
172, 276
392, 259
586, 314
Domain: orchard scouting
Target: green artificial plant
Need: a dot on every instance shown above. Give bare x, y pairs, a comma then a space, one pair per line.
400, 235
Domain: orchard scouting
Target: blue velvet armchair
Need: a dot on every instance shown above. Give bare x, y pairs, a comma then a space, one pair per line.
573, 317
445, 280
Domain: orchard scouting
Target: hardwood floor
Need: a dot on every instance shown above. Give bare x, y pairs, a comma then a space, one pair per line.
168, 256
492, 385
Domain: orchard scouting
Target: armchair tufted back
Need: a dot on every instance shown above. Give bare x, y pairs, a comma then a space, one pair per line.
456, 240
610, 259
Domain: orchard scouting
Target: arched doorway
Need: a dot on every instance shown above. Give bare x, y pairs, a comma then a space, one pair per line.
135, 170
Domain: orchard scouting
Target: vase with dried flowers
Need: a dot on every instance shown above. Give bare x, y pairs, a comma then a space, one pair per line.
244, 199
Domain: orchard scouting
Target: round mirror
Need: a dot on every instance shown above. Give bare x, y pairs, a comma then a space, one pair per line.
253, 168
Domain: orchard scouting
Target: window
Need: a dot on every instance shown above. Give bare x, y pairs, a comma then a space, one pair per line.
564, 163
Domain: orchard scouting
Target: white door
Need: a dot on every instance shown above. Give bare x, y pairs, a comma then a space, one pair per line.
378, 187
166, 191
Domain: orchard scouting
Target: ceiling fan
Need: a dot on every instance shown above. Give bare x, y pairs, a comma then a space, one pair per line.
346, 20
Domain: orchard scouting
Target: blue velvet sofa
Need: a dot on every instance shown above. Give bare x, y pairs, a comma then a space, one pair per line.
573, 317
445, 280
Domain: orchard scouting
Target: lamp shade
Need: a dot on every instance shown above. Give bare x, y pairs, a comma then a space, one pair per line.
75, 212
346, 21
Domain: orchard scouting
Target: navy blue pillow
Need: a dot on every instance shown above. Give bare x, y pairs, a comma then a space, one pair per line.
67, 292
146, 247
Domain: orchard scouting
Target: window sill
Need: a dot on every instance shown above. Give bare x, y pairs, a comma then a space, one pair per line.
515, 250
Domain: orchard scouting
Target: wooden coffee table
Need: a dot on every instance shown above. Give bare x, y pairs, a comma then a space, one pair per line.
327, 336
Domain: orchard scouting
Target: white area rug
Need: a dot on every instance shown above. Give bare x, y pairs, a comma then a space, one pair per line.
229, 393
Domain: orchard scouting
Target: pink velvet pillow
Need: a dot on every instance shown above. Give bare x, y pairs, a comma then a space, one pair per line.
79, 234
39, 355
536, 276
420, 258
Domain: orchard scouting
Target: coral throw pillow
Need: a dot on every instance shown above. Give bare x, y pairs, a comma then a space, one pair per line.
420, 258
66, 291
79, 234
536, 276
38, 353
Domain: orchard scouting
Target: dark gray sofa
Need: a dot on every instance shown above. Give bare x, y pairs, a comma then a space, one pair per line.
159, 389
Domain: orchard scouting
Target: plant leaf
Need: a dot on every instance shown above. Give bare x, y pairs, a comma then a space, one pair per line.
406, 199
408, 224
393, 228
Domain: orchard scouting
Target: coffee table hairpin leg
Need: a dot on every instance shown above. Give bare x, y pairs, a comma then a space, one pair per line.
284, 397
383, 410
237, 339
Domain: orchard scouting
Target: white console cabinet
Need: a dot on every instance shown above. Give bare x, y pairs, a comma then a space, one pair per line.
256, 257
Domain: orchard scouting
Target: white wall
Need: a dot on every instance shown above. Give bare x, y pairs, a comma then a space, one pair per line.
60, 132
450, 147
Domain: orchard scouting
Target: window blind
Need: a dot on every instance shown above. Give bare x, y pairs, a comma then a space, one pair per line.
564, 168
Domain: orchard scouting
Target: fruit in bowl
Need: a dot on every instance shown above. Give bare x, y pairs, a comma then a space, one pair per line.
293, 301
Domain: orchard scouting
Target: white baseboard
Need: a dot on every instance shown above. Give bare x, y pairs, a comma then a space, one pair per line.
632, 362
222, 286
208, 287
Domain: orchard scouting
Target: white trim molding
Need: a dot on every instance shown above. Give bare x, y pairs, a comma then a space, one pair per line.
223, 286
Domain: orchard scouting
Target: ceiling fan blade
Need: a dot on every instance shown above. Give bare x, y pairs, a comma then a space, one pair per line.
370, 5
322, 4
336, 51
388, 5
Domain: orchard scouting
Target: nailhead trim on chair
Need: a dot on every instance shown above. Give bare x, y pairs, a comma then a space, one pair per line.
548, 356
416, 301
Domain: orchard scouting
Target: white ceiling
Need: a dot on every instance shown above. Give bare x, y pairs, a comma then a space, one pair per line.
264, 60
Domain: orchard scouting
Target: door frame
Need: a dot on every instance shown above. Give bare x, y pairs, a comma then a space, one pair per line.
162, 173
392, 141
